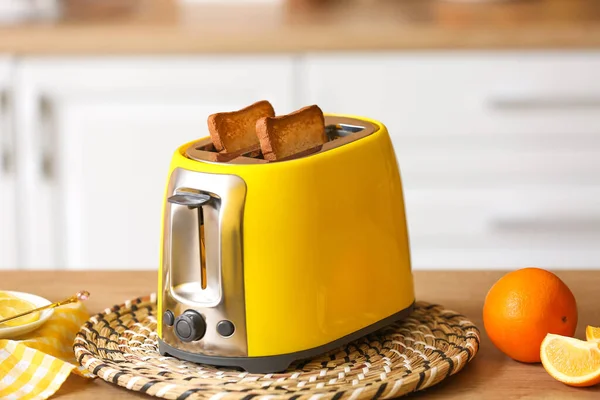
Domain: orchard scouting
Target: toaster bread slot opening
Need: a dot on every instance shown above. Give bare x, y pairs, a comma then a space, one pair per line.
339, 131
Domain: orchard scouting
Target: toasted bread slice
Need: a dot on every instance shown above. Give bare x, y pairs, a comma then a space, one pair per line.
286, 135
235, 130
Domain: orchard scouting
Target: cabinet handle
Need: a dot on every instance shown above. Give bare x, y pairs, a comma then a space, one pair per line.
6, 142
575, 224
544, 103
46, 138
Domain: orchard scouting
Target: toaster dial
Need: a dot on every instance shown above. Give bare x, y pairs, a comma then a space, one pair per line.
225, 328
168, 318
190, 326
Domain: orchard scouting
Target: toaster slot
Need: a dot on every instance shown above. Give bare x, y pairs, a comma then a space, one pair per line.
194, 247
339, 131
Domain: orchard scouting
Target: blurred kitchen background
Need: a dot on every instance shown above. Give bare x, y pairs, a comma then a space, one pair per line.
493, 107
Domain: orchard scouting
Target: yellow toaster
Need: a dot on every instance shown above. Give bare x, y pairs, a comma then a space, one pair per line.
264, 263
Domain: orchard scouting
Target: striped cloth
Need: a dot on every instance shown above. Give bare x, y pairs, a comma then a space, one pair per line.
35, 366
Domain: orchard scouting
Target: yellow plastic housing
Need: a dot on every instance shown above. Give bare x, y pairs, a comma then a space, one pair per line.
325, 243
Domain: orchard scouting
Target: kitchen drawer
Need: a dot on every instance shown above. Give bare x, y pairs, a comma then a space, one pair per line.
504, 258
507, 227
462, 93
498, 159
537, 213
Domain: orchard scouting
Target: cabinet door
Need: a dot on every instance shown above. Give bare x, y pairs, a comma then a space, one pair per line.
100, 134
470, 94
473, 131
8, 209
467, 118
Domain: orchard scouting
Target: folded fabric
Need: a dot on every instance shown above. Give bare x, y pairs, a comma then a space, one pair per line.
35, 365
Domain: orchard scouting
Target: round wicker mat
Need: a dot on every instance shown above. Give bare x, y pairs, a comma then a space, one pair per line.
120, 346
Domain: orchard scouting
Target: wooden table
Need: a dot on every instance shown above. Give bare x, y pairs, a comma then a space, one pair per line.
165, 27
490, 376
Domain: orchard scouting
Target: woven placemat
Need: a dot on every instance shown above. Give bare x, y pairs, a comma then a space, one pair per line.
120, 346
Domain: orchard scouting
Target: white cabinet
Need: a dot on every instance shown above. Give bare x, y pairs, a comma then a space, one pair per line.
466, 93
8, 193
499, 152
97, 136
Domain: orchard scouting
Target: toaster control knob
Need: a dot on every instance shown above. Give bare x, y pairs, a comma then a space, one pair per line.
225, 328
168, 318
190, 326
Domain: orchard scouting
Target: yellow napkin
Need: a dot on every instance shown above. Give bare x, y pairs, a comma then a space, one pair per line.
35, 366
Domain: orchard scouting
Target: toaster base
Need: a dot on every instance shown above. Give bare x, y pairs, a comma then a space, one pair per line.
272, 364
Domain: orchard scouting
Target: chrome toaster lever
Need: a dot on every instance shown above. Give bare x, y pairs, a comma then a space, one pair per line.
190, 199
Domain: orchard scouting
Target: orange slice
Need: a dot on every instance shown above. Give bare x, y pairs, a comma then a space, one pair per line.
571, 361
592, 334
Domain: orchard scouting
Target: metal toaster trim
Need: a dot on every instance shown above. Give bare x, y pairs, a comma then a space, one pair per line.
223, 298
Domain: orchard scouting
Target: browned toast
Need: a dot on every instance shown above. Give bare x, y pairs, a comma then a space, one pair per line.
290, 134
235, 130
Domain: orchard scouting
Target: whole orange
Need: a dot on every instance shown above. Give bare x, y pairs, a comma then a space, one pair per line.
522, 307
